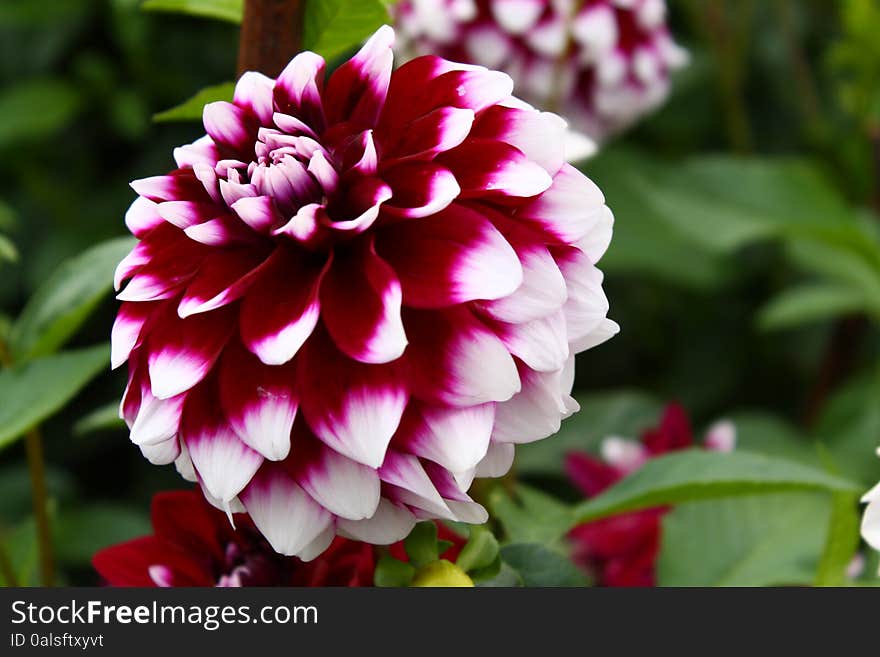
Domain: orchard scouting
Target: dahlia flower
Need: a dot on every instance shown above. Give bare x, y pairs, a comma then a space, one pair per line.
600, 63
871, 517
193, 544
622, 550
352, 297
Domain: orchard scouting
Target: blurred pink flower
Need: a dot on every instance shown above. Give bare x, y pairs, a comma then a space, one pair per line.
354, 296
622, 550
602, 64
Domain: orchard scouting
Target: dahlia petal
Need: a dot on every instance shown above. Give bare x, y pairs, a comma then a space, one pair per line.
230, 126
142, 217
596, 242
352, 407
405, 97
421, 189
468, 511
285, 514
356, 91
203, 151
234, 191
253, 92
317, 546
277, 318
323, 172
541, 293
569, 209
292, 125
456, 360
161, 453
183, 351
184, 214
606, 330
463, 508
407, 482
184, 465
344, 487
436, 132
259, 401
541, 343
360, 306
534, 413
539, 135
368, 161
127, 328
157, 419
456, 438
181, 183
298, 89
517, 16
224, 463
258, 212
390, 523
586, 305
452, 257
221, 279
304, 225
474, 87
497, 462
367, 193
484, 166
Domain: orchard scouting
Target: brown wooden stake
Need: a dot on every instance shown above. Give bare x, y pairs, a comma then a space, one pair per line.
271, 34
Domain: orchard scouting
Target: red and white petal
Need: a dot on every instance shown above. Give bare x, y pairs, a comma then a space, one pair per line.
517, 16
230, 126
360, 306
253, 92
436, 132
184, 214
258, 212
222, 278
183, 351
456, 360
453, 257
539, 135
283, 512
142, 216
202, 152
318, 545
498, 460
541, 293
298, 90
533, 414
596, 241
127, 329
456, 438
223, 462
260, 401
407, 482
390, 523
606, 330
471, 87
181, 183
184, 465
157, 419
162, 453
420, 189
223, 230
356, 91
486, 167
281, 308
352, 407
464, 509
587, 304
344, 487
542, 343
569, 209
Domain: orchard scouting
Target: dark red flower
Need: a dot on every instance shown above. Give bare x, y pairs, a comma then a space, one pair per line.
622, 550
193, 544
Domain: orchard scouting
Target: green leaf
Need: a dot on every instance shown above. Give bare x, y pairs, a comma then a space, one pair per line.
79, 533
224, 10
756, 540
810, 303
847, 267
538, 565
333, 26
506, 577
8, 252
620, 413
691, 475
393, 572
842, 541
38, 389
421, 544
480, 551
61, 304
35, 110
770, 435
192, 108
101, 419
534, 517
15, 490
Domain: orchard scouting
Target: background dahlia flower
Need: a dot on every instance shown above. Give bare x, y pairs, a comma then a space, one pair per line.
602, 64
871, 516
622, 550
193, 544
353, 296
